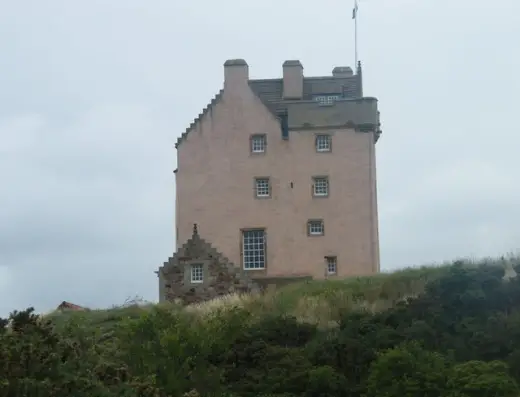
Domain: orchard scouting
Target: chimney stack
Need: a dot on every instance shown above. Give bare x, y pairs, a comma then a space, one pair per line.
292, 80
342, 71
236, 73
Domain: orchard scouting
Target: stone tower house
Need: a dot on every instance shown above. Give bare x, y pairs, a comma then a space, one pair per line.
280, 174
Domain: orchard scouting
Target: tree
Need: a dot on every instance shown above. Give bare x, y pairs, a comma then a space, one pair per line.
407, 371
326, 382
35, 360
481, 379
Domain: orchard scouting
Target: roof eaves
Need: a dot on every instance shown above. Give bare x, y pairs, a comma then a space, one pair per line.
183, 136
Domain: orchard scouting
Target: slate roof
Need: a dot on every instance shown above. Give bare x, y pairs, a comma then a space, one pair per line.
270, 92
70, 306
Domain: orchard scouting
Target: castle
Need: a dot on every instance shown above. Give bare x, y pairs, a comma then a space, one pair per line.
280, 177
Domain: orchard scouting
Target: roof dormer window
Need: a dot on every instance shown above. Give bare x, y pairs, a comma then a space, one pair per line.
326, 99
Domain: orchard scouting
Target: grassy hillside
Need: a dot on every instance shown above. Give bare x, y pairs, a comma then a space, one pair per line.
319, 302
450, 330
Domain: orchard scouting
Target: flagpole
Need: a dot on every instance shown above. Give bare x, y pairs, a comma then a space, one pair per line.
354, 15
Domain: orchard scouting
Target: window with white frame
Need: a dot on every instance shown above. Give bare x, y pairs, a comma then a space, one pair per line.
253, 249
326, 99
332, 265
258, 143
323, 143
315, 227
321, 186
262, 187
197, 273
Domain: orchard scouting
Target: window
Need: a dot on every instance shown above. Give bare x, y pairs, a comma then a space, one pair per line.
253, 249
321, 186
326, 99
323, 143
262, 187
315, 228
258, 143
197, 273
332, 265
284, 124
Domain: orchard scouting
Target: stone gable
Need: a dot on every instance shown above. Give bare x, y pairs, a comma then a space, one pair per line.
197, 272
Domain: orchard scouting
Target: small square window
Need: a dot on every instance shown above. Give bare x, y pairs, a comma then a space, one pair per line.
321, 186
262, 187
332, 265
315, 228
197, 273
323, 143
258, 143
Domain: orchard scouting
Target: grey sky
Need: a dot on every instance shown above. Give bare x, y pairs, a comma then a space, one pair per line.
93, 95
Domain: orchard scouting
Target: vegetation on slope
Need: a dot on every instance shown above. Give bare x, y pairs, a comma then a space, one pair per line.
449, 331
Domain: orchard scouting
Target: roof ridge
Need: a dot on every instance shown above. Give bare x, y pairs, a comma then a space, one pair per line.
262, 80
336, 78
197, 119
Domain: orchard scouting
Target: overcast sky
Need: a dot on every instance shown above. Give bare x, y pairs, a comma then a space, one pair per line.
94, 93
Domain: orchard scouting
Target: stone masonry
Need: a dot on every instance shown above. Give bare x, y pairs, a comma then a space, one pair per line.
214, 276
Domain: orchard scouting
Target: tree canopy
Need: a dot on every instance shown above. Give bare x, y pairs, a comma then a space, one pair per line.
458, 338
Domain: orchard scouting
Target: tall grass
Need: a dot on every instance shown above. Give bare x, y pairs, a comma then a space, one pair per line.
319, 302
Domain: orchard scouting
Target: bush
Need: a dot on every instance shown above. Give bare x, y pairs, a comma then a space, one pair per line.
454, 336
407, 371
481, 379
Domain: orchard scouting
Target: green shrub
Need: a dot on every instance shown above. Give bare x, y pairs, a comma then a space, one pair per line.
447, 331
